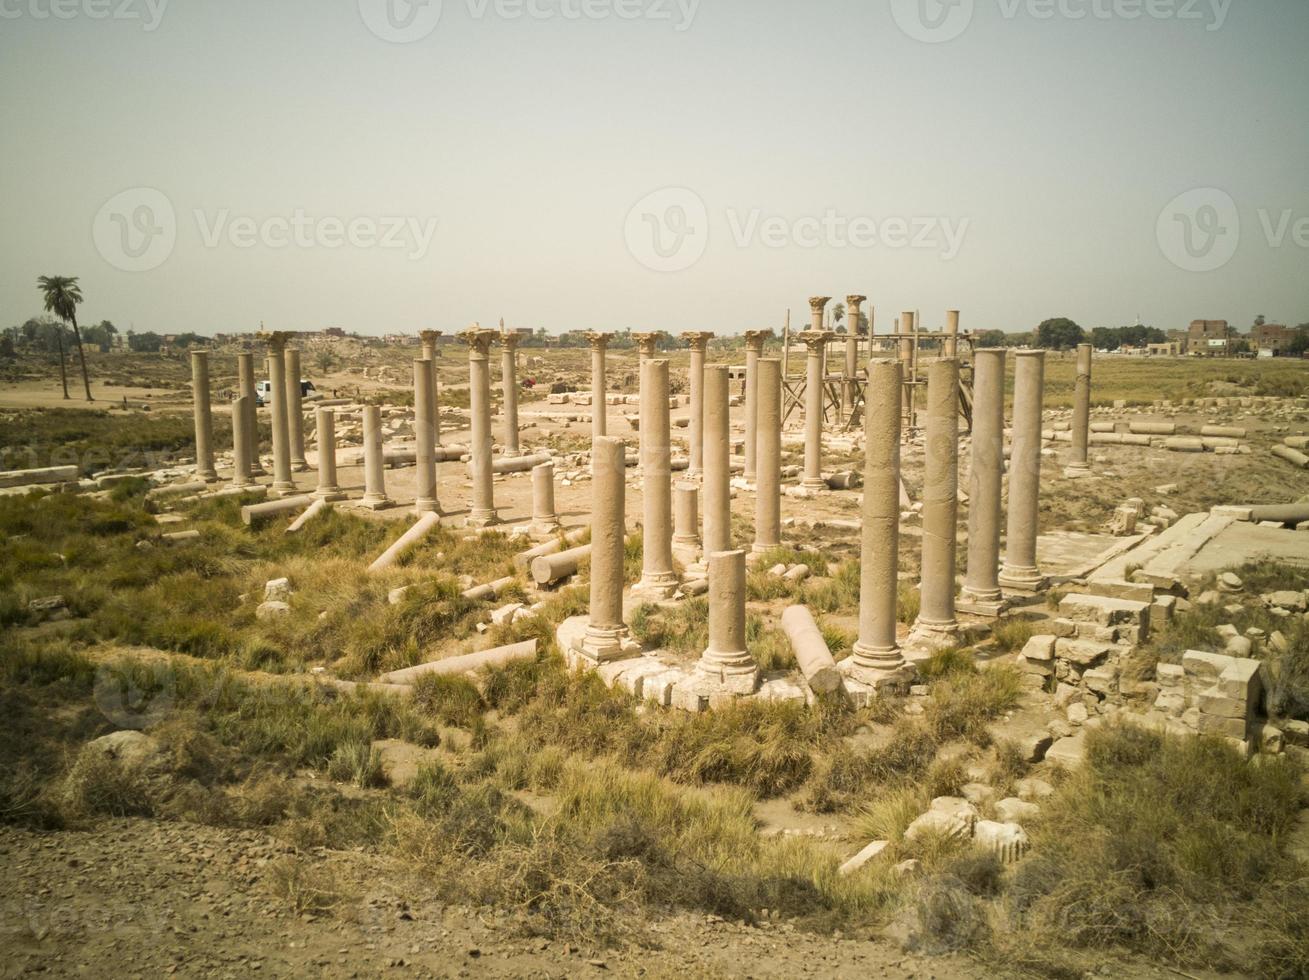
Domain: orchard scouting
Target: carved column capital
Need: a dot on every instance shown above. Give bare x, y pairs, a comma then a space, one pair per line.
599, 341
754, 340
479, 341
698, 339
815, 340
645, 343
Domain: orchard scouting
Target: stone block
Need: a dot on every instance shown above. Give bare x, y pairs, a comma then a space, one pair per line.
1063, 628
1083, 653
1104, 610
1102, 680
1212, 702
1296, 733
1007, 841
1226, 727
1038, 668
863, 857
1040, 648
1068, 752
1204, 665
1170, 703
1163, 609
1241, 682
948, 815
1032, 788
1013, 810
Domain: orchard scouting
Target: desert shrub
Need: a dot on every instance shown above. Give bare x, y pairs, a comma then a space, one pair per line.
908, 602
356, 762
96, 785
450, 699
1012, 634
962, 705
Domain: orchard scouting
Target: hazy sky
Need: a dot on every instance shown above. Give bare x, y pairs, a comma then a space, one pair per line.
654, 164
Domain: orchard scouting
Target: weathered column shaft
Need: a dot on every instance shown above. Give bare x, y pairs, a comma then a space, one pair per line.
754, 345
509, 378
599, 410
607, 533
1020, 571
425, 501
985, 477
853, 306
879, 554
686, 514
726, 605
656, 481
768, 488
374, 474
204, 422
430, 354
325, 427
813, 413
950, 345
940, 497
282, 481
241, 476
295, 420
544, 517
479, 381
245, 372
1082, 407
717, 461
698, 342
906, 357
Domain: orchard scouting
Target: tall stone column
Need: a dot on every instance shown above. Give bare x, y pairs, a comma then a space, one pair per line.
817, 311
425, 501
950, 345
431, 351
717, 461
295, 418
240, 446
768, 488
599, 410
509, 379
876, 659
646, 347
981, 591
544, 518
754, 347
204, 422
282, 482
940, 500
905, 329
726, 666
1020, 573
607, 636
375, 497
245, 372
325, 427
479, 343
699, 341
1078, 465
815, 342
853, 305
658, 580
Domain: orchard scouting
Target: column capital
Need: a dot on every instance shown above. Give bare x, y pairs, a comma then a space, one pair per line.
511, 339
852, 304
479, 341
698, 339
599, 341
815, 339
817, 304
429, 336
754, 340
645, 343
277, 340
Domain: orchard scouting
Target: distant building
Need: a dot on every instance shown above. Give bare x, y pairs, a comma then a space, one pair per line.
334, 332
1271, 337
1172, 348
1209, 338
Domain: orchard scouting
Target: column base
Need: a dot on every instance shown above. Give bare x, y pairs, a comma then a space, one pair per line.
599, 646
426, 505
374, 502
661, 586
759, 548
283, 488
1075, 471
882, 679
814, 483
544, 528
299, 466
483, 518
724, 673
988, 604
209, 476
331, 494
1022, 581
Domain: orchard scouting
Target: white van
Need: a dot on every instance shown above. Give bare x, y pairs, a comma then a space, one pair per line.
264, 391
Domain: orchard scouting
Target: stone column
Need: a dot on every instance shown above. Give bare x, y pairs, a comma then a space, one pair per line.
599, 410
848, 389
686, 515
509, 379
325, 427
726, 665
431, 351
981, 591
240, 444
295, 418
544, 518
1079, 465
1020, 573
950, 345
204, 422
282, 482
940, 499
375, 497
754, 347
479, 383
699, 341
645, 347
816, 342
245, 371
768, 488
658, 580
876, 659
717, 461
607, 636
424, 444
905, 328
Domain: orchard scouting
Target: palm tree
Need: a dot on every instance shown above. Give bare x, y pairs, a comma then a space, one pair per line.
62, 294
